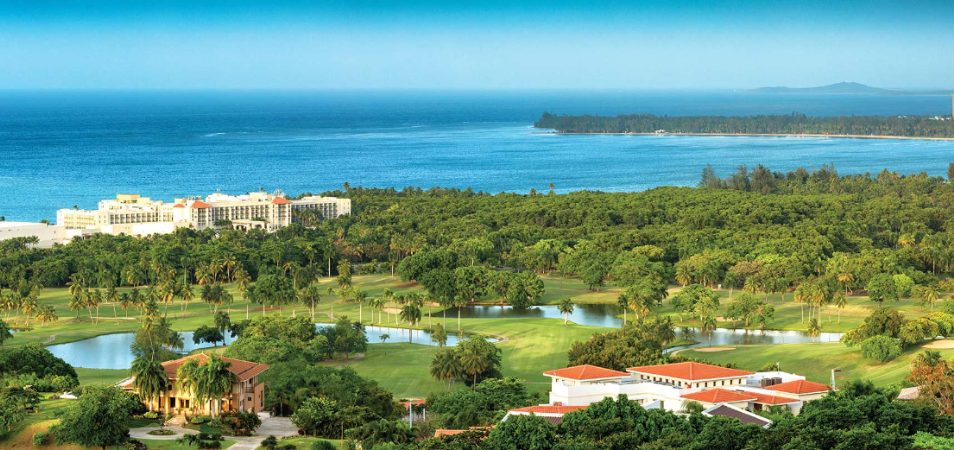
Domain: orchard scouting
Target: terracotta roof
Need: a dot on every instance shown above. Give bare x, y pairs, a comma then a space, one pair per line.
281, 201
768, 399
548, 409
738, 414
178, 205
691, 371
719, 396
243, 370
417, 402
799, 387
585, 372
200, 204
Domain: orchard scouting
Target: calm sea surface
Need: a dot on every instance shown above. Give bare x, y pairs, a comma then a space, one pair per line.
59, 149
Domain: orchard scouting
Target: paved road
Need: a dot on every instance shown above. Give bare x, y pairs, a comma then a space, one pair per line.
271, 426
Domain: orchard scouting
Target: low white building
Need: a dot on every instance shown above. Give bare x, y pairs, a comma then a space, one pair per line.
674, 386
46, 234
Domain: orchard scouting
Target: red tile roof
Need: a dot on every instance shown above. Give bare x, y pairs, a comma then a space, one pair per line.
585, 372
691, 371
719, 396
768, 399
417, 402
200, 204
799, 387
178, 205
243, 370
548, 409
281, 201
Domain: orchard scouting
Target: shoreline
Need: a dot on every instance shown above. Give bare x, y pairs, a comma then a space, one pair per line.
778, 135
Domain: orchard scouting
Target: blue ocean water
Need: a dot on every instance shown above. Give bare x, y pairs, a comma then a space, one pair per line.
65, 148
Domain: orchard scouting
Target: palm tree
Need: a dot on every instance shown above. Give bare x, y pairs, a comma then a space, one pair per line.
439, 335
814, 328
150, 379
207, 382
446, 366
840, 301
845, 278
310, 295
566, 308
473, 364
411, 313
125, 301
47, 314
384, 337
359, 297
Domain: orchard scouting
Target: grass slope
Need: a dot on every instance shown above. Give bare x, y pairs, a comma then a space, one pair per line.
815, 361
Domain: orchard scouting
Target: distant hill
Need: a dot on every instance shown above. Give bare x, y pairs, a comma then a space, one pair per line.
837, 88
847, 87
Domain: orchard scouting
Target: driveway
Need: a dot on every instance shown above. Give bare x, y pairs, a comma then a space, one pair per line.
271, 426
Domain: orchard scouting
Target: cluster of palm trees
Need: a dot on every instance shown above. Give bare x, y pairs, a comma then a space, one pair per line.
471, 357
26, 305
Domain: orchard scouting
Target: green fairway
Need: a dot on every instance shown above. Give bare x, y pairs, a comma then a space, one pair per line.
529, 347
815, 361
99, 377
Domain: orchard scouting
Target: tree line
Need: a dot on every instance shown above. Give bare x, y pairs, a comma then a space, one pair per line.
795, 123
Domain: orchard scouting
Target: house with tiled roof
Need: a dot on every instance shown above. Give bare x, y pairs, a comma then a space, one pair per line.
734, 412
674, 386
247, 393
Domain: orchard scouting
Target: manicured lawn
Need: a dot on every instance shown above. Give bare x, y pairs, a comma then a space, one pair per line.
98, 377
815, 361
529, 347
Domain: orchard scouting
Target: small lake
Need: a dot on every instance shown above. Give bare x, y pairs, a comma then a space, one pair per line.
604, 315
112, 351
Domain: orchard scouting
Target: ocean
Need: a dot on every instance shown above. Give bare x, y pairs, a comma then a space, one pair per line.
64, 148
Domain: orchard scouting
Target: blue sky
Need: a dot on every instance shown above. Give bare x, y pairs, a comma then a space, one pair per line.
348, 44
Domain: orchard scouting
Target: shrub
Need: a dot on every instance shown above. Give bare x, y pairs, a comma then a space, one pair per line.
40, 439
881, 348
322, 445
199, 420
151, 415
240, 423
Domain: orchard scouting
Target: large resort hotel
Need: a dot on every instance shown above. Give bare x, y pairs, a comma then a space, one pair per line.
134, 215
721, 391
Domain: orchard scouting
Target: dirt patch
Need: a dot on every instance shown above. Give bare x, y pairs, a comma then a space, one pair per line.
713, 349
942, 344
407, 285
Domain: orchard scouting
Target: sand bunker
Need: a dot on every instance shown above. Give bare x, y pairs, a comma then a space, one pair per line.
713, 349
941, 344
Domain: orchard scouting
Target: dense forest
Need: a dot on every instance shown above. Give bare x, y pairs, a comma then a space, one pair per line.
909, 126
759, 230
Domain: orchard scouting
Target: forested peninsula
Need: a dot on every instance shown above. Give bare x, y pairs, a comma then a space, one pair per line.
903, 127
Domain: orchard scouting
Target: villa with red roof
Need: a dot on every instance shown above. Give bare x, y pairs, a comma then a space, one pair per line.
719, 390
247, 394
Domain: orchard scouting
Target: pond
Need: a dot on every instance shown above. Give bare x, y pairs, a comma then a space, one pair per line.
605, 315
112, 351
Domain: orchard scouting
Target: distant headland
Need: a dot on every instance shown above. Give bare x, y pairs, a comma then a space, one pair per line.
795, 125
845, 87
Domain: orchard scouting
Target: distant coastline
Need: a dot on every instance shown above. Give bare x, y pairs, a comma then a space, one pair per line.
779, 135
939, 128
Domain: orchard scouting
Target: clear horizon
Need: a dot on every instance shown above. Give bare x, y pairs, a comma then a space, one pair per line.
470, 45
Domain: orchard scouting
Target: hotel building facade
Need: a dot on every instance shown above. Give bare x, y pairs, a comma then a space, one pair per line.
134, 215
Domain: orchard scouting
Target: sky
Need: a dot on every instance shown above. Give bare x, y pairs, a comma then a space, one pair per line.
488, 44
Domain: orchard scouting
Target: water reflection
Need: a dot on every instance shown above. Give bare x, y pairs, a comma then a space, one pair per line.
112, 351
605, 315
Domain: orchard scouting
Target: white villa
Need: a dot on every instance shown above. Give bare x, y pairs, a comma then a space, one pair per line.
721, 391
